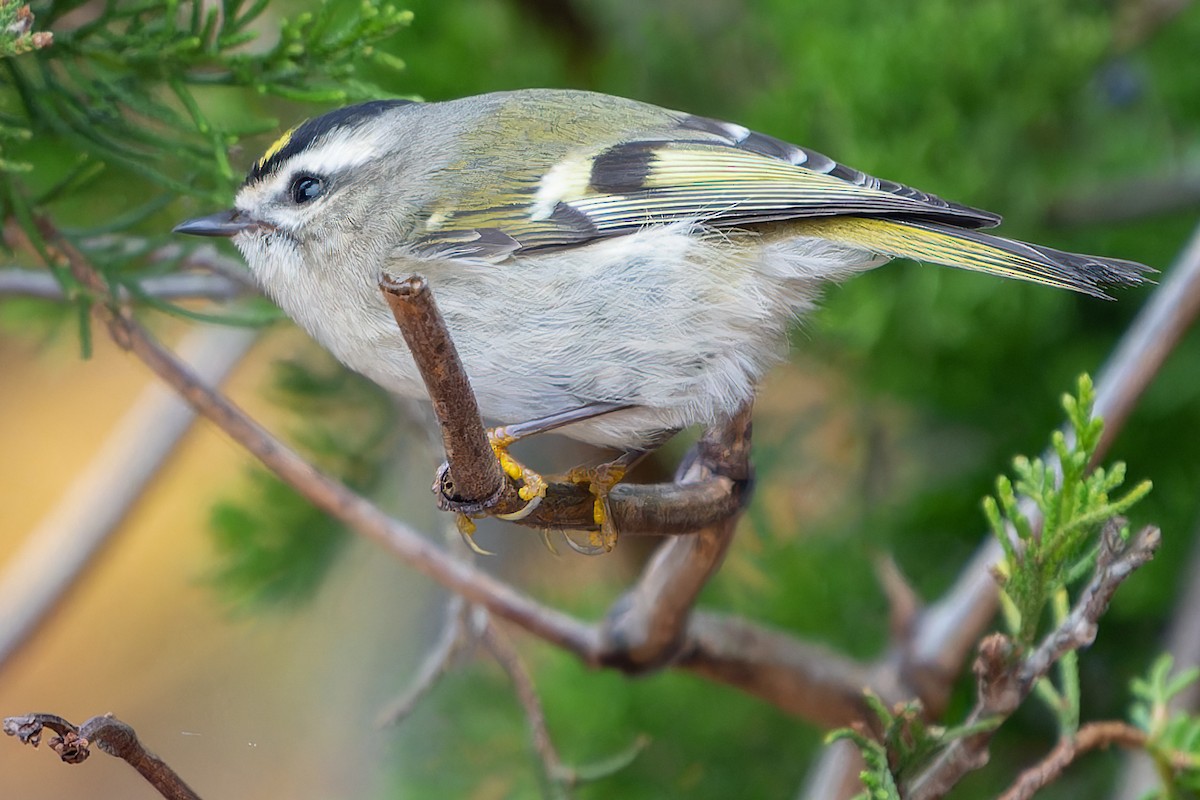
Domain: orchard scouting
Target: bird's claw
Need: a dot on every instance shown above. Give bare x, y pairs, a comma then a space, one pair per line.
533, 486
466, 529
600, 481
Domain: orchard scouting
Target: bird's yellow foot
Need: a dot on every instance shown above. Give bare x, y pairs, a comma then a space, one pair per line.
466, 529
533, 485
600, 480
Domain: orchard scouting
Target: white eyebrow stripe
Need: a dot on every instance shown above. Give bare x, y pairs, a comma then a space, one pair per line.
338, 151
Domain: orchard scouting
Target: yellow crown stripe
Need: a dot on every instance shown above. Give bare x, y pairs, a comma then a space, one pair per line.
278, 145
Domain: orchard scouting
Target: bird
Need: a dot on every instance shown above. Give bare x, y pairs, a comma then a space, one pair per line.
607, 268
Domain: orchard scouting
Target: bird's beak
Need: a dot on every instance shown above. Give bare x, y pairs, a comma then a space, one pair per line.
223, 223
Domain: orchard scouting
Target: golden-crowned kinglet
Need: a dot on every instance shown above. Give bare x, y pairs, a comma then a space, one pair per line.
601, 262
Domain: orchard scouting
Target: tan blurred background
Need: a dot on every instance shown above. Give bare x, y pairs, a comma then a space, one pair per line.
141, 634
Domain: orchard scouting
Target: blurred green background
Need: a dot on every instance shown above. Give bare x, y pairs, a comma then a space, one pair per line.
908, 392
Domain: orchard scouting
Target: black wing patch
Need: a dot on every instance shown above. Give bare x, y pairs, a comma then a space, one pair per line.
692, 169
760, 143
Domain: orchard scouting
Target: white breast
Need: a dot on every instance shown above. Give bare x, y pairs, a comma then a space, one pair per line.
681, 326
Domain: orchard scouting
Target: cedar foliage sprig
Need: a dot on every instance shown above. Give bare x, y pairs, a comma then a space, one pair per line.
137, 101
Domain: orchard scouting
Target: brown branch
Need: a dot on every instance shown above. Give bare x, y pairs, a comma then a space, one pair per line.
15, 282
509, 659
801, 678
73, 746
767, 653
1166, 317
1005, 679
904, 604
1115, 562
797, 677
1182, 641
646, 627
477, 479
560, 777
1092, 736
1129, 200
327, 494
472, 482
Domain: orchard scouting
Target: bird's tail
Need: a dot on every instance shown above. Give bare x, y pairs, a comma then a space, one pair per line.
983, 252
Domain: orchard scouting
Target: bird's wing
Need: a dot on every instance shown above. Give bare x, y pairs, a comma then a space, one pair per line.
699, 170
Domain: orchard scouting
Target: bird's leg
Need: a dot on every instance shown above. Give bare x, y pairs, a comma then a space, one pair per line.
533, 487
600, 481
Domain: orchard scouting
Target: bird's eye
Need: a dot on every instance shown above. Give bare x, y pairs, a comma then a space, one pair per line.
306, 188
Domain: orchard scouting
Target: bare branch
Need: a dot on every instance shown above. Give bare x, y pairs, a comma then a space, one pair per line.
708, 653
179, 286
509, 659
904, 604
322, 491
645, 628
802, 678
472, 482
651, 626
73, 746
456, 635
1005, 679
477, 478
1166, 317
1129, 200
1182, 641
1116, 561
1092, 736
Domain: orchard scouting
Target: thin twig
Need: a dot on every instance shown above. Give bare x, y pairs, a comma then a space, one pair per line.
1092, 736
506, 655
1114, 563
477, 477
73, 746
327, 494
948, 629
904, 604
456, 635
1182, 640
1005, 679
17, 282
777, 667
